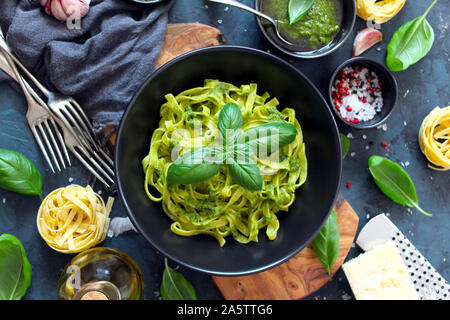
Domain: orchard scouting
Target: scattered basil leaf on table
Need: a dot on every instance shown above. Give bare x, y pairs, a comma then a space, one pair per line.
19, 174
395, 182
298, 8
326, 243
203, 163
15, 269
345, 145
174, 286
410, 43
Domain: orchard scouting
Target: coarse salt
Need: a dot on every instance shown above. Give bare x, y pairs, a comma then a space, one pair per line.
357, 93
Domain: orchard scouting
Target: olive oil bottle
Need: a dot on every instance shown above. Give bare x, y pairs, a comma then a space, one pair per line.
101, 274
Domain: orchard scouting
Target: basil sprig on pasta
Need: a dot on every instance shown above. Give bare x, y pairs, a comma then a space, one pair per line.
235, 148
219, 206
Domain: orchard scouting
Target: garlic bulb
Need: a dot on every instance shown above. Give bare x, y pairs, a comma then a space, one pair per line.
119, 225
64, 10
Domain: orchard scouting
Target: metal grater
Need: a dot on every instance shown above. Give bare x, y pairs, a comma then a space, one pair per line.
429, 284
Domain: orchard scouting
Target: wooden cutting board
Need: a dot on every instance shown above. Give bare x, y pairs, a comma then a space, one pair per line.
298, 277
301, 275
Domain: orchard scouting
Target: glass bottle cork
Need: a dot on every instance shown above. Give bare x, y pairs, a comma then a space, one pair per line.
101, 274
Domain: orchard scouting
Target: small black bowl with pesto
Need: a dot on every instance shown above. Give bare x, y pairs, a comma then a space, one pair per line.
322, 29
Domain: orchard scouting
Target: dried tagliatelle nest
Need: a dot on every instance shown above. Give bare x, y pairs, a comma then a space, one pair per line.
73, 219
378, 11
434, 138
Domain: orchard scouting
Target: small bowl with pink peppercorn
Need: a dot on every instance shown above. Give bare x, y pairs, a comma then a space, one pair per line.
363, 93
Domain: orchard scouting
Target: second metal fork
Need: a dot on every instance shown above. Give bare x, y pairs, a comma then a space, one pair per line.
43, 123
65, 108
40, 121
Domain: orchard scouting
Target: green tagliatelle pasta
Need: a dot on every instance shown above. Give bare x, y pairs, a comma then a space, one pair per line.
219, 206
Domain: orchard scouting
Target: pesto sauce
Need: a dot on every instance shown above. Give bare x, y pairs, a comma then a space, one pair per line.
318, 27
294, 164
206, 209
274, 114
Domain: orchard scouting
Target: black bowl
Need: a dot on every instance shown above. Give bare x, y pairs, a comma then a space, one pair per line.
314, 199
347, 11
389, 92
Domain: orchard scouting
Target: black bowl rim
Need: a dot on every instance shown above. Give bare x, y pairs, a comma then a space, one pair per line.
370, 61
152, 76
309, 56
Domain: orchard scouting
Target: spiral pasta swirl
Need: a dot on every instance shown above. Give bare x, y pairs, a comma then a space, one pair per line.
434, 138
378, 11
73, 219
219, 207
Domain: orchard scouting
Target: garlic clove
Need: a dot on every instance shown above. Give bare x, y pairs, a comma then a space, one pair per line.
365, 39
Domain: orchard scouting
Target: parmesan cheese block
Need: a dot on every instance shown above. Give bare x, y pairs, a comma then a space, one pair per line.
380, 274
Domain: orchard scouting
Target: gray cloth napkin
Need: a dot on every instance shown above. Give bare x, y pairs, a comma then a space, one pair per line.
102, 64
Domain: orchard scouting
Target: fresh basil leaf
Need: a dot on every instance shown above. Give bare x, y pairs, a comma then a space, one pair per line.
394, 182
326, 243
230, 118
245, 173
19, 174
196, 165
15, 269
298, 8
174, 286
345, 145
410, 43
262, 137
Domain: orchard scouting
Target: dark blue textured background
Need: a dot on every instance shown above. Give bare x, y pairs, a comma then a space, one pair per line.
421, 88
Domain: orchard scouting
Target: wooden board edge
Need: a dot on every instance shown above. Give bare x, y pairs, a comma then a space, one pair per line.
262, 286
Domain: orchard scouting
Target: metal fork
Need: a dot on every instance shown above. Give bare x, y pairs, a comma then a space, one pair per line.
40, 120
73, 120
89, 158
86, 154
66, 109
